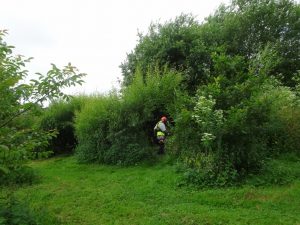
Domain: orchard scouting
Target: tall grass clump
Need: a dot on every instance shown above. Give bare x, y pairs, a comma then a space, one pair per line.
93, 126
118, 128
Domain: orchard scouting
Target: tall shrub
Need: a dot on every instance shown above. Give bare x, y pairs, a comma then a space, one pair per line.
220, 147
60, 116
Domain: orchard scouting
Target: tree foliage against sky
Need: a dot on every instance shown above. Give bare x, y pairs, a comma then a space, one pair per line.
241, 29
18, 142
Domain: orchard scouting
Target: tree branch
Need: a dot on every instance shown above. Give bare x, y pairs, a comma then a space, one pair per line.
21, 112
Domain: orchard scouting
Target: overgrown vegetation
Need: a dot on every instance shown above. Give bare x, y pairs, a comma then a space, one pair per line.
240, 68
118, 128
230, 87
60, 116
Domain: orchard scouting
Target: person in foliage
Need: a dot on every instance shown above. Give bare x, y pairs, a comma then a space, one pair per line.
160, 132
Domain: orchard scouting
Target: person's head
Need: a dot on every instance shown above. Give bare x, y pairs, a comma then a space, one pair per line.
164, 119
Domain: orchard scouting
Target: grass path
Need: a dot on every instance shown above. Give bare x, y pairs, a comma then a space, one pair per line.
93, 194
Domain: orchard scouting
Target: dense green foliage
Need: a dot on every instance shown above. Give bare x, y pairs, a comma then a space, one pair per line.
241, 29
60, 116
230, 87
20, 141
175, 44
240, 69
118, 129
226, 145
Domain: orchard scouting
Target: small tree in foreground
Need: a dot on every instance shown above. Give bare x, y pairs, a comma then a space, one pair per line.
18, 143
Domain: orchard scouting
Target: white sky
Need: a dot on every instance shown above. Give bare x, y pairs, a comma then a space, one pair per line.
93, 35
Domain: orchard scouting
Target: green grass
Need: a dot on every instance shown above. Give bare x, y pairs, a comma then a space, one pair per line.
93, 194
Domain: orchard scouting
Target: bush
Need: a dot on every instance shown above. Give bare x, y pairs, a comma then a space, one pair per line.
60, 116
222, 147
118, 129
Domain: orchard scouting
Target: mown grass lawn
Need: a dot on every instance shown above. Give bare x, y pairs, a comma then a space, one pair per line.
94, 194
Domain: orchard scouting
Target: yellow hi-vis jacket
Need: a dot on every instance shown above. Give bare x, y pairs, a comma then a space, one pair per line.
160, 129
160, 134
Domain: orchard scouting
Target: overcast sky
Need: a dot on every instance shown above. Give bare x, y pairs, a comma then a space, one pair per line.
93, 35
